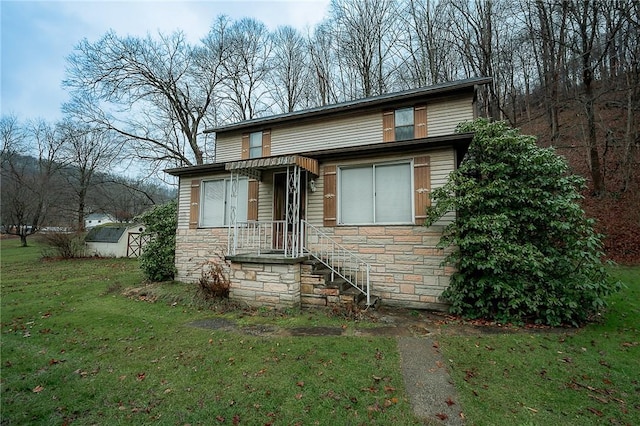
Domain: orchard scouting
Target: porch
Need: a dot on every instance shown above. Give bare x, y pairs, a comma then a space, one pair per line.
287, 261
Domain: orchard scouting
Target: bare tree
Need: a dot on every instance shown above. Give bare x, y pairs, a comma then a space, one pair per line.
586, 18
364, 34
547, 24
156, 92
288, 69
86, 152
321, 50
479, 28
246, 68
28, 182
430, 54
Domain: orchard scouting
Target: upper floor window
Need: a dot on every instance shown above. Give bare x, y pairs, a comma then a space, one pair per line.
404, 123
255, 145
403, 119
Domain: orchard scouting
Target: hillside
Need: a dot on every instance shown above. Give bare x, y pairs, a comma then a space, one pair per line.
617, 213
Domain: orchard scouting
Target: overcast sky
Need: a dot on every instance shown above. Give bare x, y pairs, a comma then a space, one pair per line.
37, 36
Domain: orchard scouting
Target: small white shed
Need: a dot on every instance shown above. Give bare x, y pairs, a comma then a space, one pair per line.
115, 240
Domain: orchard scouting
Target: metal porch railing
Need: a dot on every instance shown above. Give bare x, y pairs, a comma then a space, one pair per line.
339, 260
258, 237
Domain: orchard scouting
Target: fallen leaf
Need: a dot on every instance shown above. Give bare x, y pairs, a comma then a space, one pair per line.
375, 407
442, 416
436, 344
141, 376
300, 383
389, 389
38, 389
298, 396
236, 419
220, 419
450, 402
596, 412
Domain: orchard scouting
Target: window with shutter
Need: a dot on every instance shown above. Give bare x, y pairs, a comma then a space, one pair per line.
404, 124
216, 202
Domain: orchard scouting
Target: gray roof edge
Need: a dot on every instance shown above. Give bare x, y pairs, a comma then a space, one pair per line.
428, 142
355, 104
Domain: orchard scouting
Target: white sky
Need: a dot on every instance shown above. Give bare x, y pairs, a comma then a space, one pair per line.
37, 36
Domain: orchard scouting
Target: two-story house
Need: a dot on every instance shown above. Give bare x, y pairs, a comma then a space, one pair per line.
314, 206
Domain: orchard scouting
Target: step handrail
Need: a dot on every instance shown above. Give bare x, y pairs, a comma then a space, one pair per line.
341, 261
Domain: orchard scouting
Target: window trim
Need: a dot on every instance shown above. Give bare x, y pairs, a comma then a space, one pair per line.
406, 161
202, 206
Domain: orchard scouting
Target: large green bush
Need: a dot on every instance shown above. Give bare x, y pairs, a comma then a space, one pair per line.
158, 256
523, 249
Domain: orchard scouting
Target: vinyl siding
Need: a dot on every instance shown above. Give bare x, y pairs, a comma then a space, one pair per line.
337, 133
443, 116
184, 203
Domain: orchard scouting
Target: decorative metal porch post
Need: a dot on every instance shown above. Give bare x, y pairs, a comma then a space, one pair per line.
293, 211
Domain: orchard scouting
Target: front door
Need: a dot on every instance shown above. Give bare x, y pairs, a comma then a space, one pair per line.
280, 204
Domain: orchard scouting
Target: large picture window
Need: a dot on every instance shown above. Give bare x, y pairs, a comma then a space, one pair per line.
376, 194
216, 202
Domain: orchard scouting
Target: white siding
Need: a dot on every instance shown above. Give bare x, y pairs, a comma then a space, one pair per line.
184, 203
229, 147
265, 198
443, 116
292, 139
338, 133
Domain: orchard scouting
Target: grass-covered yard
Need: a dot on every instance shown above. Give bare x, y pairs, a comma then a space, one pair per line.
552, 377
75, 350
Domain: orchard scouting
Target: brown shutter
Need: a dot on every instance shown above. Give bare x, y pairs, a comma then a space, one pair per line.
245, 146
422, 187
252, 206
266, 143
194, 208
420, 122
329, 177
388, 126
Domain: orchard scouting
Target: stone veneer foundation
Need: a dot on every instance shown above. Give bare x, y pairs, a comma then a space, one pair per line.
405, 264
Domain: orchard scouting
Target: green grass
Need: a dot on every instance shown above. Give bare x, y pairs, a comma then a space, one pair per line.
577, 377
74, 350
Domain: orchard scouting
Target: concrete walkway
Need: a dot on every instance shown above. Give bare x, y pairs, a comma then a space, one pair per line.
433, 397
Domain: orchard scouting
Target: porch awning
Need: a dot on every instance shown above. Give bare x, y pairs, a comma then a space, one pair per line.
253, 168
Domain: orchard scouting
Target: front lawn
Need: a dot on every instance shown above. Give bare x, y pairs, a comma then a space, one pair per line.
552, 377
74, 350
